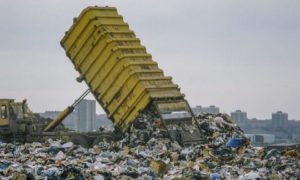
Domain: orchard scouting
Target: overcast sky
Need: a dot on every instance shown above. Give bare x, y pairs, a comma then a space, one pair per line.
233, 54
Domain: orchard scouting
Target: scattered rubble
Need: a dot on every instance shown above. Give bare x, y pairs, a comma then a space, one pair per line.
145, 153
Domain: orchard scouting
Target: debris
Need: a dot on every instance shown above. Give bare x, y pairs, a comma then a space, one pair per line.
60, 156
251, 175
224, 154
236, 142
215, 176
99, 177
19, 176
159, 167
67, 145
70, 172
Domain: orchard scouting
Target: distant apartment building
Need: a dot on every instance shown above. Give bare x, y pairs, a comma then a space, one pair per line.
210, 109
69, 122
279, 120
86, 116
239, 117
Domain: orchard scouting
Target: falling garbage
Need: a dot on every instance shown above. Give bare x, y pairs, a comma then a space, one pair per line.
144, 153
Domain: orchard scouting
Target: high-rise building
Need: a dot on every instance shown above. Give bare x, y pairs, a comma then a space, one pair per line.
239, 117
210, 109
279, 120
86, 115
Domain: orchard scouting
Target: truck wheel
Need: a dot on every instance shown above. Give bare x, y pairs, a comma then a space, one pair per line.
81, 140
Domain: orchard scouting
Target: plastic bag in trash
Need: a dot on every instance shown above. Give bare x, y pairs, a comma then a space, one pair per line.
236, 142
60, 156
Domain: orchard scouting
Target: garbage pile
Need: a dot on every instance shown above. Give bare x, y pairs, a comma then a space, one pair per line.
145, 153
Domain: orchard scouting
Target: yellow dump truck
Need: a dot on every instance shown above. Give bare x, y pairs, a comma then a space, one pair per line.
122, 75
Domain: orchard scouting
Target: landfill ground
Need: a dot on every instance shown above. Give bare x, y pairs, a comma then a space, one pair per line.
144, 153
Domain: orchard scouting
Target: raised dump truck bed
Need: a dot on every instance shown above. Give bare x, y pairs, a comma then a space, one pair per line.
118, 70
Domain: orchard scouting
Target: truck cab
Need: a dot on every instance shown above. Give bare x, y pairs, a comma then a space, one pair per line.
4, 112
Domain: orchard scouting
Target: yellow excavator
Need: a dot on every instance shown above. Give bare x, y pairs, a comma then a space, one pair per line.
122, 77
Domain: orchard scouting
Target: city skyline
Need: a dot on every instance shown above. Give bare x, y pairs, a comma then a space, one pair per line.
233, 54
217, 109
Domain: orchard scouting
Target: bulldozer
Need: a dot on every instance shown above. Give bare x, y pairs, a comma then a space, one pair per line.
120, 74
16, 120
19, 124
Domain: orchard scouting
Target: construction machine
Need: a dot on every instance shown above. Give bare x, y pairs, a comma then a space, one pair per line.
122, 77
16, 120
19, 124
